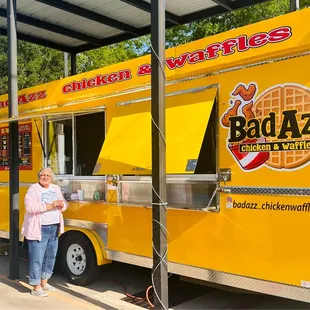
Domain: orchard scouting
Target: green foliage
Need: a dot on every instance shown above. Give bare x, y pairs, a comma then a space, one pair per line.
110, 55
36, 65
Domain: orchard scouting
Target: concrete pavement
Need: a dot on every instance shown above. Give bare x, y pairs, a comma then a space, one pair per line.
109, 290
104, 294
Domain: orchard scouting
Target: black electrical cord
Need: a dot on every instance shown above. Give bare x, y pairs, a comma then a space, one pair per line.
40, 138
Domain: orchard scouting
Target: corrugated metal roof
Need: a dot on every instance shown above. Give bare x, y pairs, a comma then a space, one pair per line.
79, 25
42, 34
117, 10
68, 20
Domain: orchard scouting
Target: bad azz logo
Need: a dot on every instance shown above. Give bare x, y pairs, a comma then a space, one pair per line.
270, 129
26, 98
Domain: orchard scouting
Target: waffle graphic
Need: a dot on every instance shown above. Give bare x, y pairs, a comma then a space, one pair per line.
278, 99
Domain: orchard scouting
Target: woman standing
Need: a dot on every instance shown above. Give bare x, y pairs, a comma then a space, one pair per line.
43, 222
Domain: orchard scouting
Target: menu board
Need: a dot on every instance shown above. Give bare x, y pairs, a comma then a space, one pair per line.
24, 147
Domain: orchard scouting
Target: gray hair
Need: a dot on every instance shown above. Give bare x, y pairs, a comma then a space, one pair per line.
46, 168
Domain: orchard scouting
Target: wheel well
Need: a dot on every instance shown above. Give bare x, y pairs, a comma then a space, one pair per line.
78, 231
73, 231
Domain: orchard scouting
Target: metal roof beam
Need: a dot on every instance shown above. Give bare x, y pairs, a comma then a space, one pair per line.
99, 18
226, 4
145, 6
218, 10
116, 39
245, 3
30, 39
105, 42
53, 28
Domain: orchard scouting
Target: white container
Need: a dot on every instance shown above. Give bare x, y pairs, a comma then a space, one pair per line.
80, 194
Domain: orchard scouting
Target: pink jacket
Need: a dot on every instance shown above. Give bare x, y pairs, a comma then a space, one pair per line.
31, 228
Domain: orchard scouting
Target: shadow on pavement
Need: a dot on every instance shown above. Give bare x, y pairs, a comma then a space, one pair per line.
14, 284
83, 297
77, 295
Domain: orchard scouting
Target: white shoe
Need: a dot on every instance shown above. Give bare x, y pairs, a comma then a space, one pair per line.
38, 293
48, 288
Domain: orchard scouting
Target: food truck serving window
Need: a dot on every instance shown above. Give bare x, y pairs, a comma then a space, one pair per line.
74, 143
127, 147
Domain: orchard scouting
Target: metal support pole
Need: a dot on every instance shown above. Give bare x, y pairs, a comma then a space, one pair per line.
73, 63
13, 140
66, 64
45, 140
160, 272
294, 5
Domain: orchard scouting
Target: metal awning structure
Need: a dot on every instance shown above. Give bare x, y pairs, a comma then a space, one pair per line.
75, 26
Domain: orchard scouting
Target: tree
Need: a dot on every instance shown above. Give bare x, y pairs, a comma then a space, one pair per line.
109, 55
36, 65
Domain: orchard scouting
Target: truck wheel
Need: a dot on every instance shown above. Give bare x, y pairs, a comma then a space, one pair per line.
78, 259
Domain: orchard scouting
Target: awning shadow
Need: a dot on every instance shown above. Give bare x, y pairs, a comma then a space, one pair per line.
86, 298
16, 284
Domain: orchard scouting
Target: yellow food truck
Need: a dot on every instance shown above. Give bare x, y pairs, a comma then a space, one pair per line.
238, 150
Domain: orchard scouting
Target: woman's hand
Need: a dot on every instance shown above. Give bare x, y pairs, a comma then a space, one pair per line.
49, 206
57, 204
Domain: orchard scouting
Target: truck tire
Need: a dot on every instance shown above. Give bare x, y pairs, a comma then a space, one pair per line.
78, 259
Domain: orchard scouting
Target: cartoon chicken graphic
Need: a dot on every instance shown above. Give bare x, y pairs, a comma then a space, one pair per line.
243, 104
